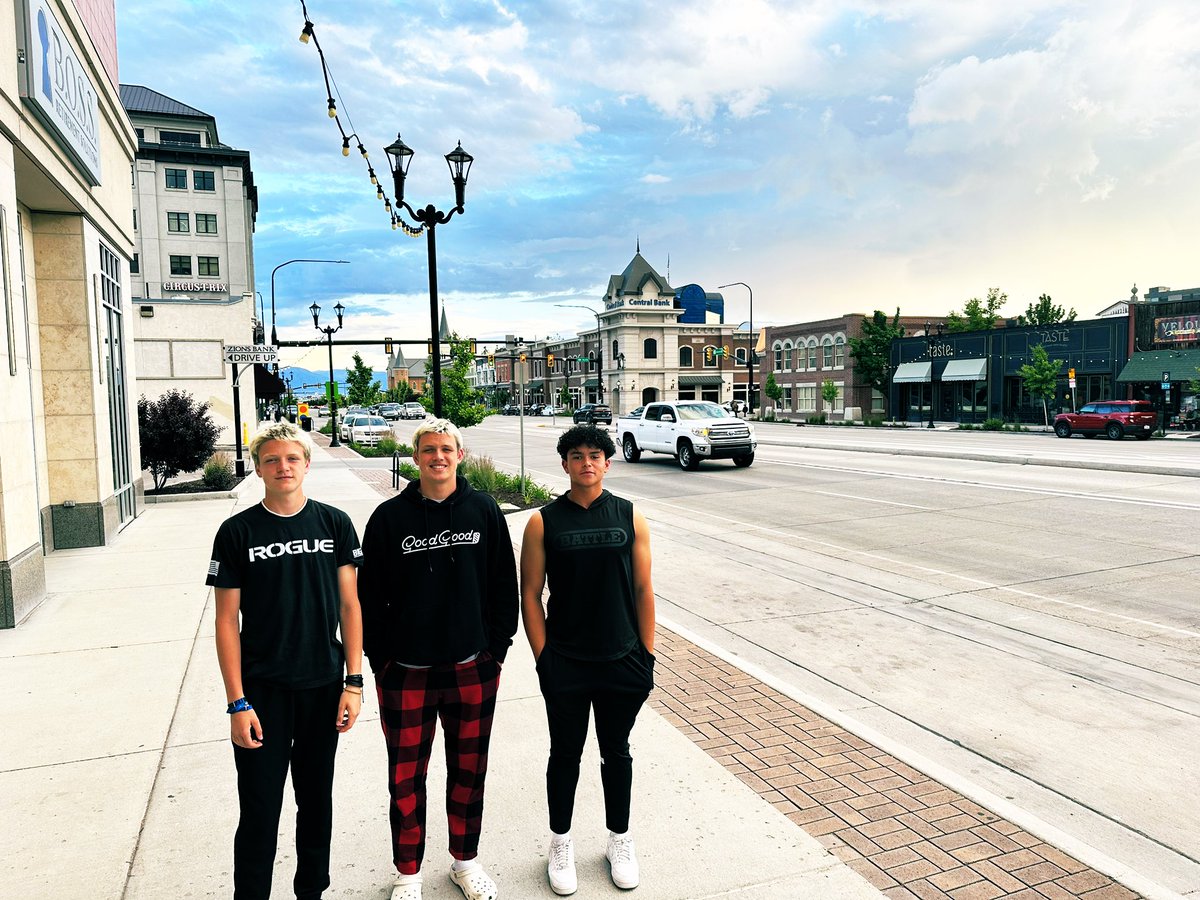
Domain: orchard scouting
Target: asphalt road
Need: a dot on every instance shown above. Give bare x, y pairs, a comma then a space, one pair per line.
1029, 632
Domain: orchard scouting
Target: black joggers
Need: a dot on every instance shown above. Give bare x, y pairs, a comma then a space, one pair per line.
616, 690
298, 730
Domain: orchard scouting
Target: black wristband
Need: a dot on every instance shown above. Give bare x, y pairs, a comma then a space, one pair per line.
354, 681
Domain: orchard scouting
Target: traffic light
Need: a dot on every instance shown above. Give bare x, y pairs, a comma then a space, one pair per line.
387, 346
473, 347
429, 349
523, 358
725, 350
549, 360
491, 359
708, 354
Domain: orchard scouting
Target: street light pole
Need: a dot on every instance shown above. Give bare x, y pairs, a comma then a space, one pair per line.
459, 161
274, 334
329, 331
753, 343
599, 348
929, 353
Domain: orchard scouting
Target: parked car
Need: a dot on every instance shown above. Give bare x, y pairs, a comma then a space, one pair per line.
593, 413
413, 410
390, 410
549, 410
367, 430
344, 424
1114, 418
635, 413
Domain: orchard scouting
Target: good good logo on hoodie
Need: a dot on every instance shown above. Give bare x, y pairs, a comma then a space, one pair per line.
439, 541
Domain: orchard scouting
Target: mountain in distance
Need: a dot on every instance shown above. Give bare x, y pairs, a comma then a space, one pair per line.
307, 381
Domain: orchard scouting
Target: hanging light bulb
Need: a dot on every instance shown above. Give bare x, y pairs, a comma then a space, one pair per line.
379, 191
362, 150
332, 108
307, 33
345, 146
374, 180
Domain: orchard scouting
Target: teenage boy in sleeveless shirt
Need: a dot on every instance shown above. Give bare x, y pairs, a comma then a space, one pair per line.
286, 567
593, 644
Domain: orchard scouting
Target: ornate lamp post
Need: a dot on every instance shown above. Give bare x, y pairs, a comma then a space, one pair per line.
329, 331
753, 343
599, 348
274, 335
459, 160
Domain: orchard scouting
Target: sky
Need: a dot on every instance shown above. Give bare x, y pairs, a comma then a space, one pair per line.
838, 157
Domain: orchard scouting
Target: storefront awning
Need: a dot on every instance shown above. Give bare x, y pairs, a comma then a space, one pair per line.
965, 370
912, 371
267, 384
591, 383
699, 380
1149, 365
534, 385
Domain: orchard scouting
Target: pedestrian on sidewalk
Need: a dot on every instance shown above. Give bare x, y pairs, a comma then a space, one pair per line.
287, 568
594, 643
439, 601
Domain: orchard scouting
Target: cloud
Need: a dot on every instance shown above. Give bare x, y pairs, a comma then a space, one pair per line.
652, 178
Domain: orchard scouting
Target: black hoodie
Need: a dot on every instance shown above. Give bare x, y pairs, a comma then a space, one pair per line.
438, 581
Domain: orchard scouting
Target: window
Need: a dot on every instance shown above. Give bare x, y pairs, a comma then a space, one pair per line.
141, 133
710, 358
179, 137
812, 353
206, 223
615, 349
208, 265
806, 398
877, 401
135, 265
739, 355
181, 265
787, 355
650, 348
177, 179
204, 180
685, 358
135, 220
827, 353
787, 398
839, 402
778, 349
839, 352
178, 222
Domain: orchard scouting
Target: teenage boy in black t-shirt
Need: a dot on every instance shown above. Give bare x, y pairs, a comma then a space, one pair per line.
594, 643
286, 568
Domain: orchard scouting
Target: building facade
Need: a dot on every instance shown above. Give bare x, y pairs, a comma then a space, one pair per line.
69, 466
192, 274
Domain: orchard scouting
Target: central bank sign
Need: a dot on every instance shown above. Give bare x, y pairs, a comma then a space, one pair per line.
55, 85
643, 302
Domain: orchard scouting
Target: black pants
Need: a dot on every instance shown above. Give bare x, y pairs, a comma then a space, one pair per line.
616, 690
298, 729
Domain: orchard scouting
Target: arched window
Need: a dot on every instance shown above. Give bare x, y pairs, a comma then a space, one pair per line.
650, 348
778, 348
787, 355
739, 354
839, 352
812, 353
827, 353
685, 357
615, 350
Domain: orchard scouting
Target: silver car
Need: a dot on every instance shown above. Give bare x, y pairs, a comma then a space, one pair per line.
367, 430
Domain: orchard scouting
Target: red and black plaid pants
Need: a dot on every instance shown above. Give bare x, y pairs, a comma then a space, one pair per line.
410, 703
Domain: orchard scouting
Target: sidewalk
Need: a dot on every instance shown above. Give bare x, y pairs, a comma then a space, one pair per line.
119, 783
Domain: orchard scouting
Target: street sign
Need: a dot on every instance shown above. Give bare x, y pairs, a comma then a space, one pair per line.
251, 353
1166, 385
302, 409
1071, 382
1166, 376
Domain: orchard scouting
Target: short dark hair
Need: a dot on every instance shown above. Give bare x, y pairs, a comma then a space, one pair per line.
586, 436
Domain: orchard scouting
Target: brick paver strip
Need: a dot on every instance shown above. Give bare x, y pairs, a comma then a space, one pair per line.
908, 835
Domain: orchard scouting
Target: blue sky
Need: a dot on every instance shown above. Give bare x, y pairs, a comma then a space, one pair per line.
837, 156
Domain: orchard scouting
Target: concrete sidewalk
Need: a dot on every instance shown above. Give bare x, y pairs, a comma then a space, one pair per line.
118, 777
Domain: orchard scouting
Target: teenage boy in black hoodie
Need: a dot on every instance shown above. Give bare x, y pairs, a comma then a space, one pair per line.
594, 643
439, 598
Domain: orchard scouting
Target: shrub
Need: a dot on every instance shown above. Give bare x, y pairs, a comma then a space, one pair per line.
993, 425
873, 421
816, 420
409, 471
218, 473
480, 472
175, 434
387, 445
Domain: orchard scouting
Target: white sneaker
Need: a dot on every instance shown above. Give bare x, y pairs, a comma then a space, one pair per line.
622, 861
561, 867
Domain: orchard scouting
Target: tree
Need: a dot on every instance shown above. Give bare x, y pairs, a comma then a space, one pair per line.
564, 396
362, 388
872, 351
978, 315
1040, 376
1046, 312
461, 403
829, 392
175, 435
400, 393
772, 389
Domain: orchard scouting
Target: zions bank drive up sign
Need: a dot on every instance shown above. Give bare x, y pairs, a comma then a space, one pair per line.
55, 84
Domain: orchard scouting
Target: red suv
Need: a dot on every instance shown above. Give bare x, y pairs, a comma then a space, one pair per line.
1115, 418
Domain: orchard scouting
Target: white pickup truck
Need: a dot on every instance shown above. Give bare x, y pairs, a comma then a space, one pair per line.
690, 430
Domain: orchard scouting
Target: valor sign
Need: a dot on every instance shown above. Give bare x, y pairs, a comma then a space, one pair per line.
253, 353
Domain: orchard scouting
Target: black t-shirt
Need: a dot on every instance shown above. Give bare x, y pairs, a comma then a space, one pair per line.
286, 568
591, 613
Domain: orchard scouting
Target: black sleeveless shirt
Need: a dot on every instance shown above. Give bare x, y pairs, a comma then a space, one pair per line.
589, 565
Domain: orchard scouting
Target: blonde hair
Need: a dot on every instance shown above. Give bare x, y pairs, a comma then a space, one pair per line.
280, 431
437, 426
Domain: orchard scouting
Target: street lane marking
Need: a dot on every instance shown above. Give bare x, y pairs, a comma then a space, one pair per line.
872, 500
